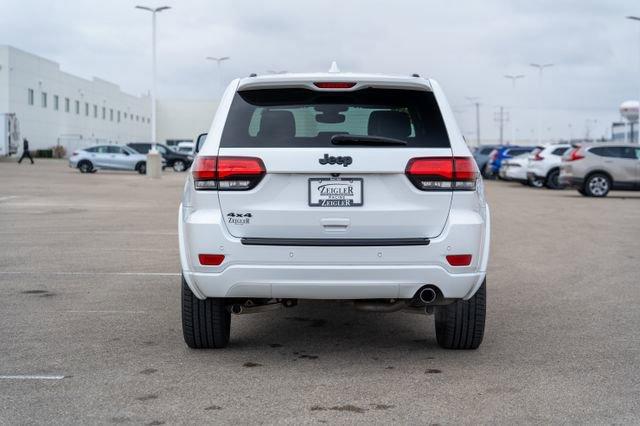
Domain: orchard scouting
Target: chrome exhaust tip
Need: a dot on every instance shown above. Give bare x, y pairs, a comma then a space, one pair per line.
427, 295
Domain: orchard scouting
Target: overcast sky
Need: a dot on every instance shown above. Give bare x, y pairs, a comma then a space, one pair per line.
468, 45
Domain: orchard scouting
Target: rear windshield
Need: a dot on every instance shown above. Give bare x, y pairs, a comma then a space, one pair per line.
300, 118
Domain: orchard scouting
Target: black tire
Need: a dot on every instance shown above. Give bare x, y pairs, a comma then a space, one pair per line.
460, 325
597, 185
553, 179
141, 167
85, 166
206, 324
536, 182
179, 166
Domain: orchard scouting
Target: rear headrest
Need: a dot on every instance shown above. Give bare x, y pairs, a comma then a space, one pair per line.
392, 124
280, 124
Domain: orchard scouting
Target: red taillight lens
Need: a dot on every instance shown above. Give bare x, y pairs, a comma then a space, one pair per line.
537, 157
227, 173
575, 154
211, 259
443, 173
459, 259
334, 84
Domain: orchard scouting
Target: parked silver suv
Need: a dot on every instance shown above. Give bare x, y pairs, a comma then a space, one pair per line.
596, 168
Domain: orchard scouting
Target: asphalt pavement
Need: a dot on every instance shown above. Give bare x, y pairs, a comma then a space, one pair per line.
90, 328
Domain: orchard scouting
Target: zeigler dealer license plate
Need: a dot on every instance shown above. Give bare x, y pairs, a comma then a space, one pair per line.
338, 192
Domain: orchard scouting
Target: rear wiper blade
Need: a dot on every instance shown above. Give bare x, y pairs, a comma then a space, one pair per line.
365, 140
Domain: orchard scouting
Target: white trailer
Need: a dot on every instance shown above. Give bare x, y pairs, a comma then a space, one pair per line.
9, 134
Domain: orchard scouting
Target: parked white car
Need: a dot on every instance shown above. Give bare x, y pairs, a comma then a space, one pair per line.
339, 186
185, 148
543, 168
515, 169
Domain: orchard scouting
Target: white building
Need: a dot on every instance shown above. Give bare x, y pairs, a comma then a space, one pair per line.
54, 107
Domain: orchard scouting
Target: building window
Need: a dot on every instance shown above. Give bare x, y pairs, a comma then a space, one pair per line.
44, 99
104, 113
95, 111
66, 104
77, 107
86, 109
137, 118
56, 102
110, 114
30, 96
118, 116
125, 115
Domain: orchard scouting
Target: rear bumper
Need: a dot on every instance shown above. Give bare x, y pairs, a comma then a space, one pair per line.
333, 272
570, 181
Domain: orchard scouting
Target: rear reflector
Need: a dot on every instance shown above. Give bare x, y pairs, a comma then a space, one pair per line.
334, 84
459, 259
227, 173
211, 259
443, 173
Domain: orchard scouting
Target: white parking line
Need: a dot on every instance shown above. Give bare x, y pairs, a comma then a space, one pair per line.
151, 274
29, 377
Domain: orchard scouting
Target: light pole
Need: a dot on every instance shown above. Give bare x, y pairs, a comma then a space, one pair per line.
153, 169
635, 18
513, 79
474, 101
218, 61
540, 68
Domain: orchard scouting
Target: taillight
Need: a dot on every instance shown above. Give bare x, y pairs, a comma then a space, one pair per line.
443, 173
537, 157
334, 84
227, 173
575, 154
74, 153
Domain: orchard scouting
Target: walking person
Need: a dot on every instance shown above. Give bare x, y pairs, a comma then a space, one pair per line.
25, 151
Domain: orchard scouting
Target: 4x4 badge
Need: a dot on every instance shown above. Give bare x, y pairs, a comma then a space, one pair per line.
345, 161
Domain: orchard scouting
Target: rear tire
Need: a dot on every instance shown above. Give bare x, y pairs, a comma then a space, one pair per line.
206, 324
141, 167
597, 185
553, 179
536, 182
179, 166
460, 325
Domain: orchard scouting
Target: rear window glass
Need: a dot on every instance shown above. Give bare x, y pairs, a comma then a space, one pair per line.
299, 118
486, 151
559, 151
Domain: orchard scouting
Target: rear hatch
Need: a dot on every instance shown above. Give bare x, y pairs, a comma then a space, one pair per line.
335, 163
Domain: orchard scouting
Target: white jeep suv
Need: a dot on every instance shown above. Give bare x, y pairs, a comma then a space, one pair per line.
335, 186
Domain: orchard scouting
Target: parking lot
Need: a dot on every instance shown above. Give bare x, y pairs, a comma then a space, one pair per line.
90, 320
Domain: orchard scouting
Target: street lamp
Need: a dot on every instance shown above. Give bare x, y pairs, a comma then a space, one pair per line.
152, 157
634, 18
218, 61
513, 79
540, 68
474, 101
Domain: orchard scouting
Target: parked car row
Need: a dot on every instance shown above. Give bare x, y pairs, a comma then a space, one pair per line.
592, 168
132, 156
